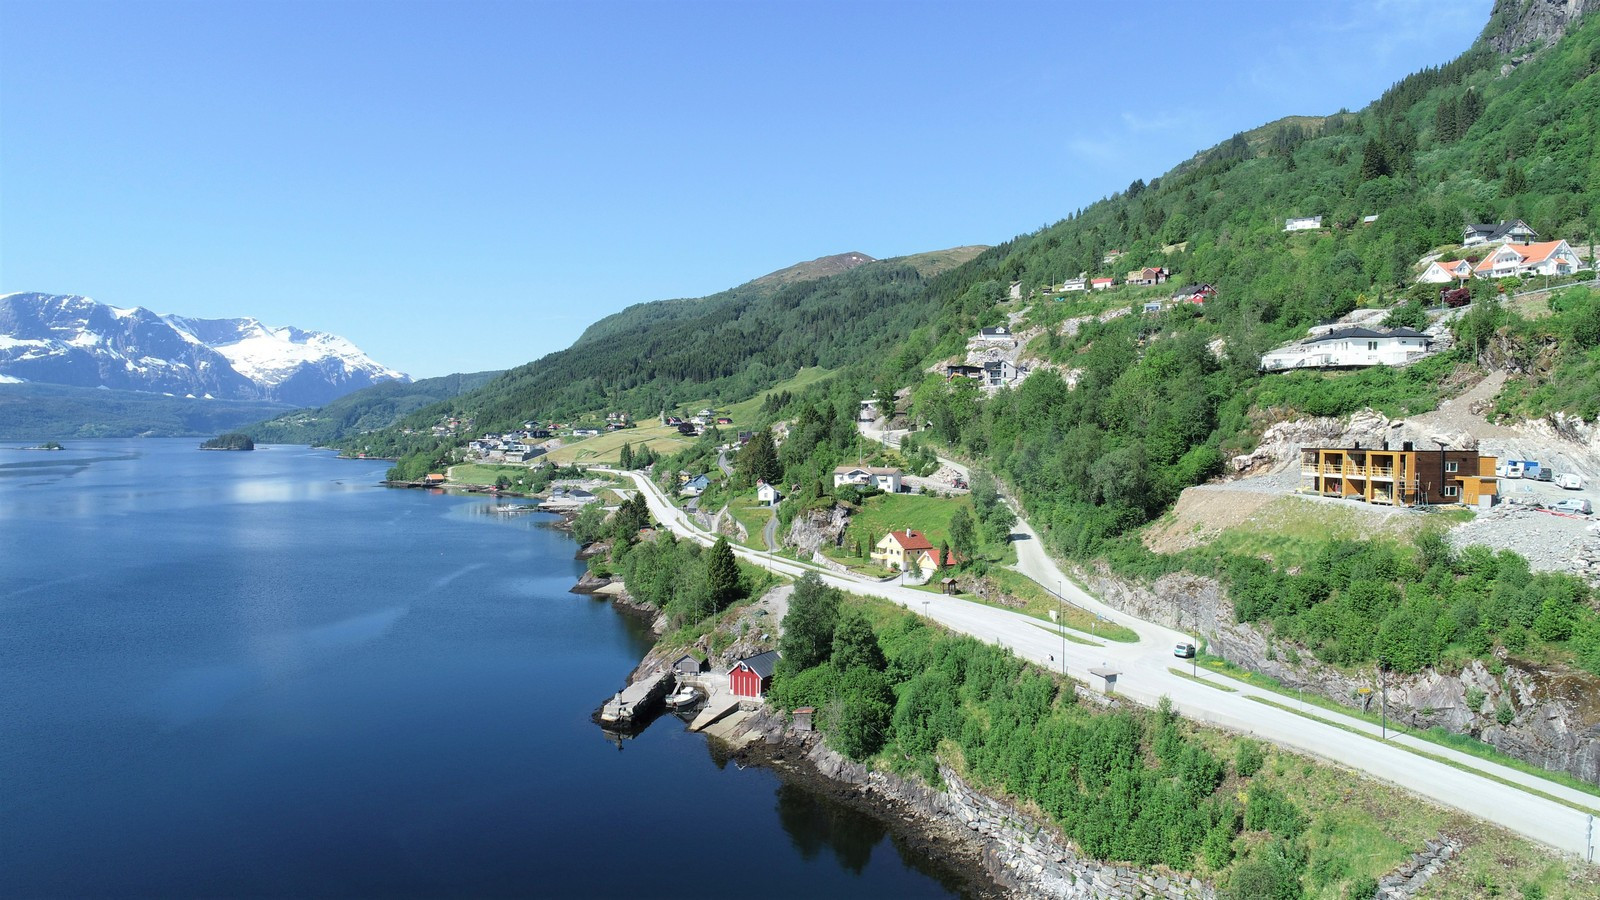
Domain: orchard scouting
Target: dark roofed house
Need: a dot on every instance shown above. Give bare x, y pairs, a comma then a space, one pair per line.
963, 371
998, 334
1495, 232
750, 677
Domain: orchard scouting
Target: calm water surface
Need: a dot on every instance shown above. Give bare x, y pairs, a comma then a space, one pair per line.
228, 674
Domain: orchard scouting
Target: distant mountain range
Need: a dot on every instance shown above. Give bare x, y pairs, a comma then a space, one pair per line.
70, 340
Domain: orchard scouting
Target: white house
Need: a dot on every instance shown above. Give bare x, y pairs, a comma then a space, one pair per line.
1547, 258
1002, 371
1350, 347
1100, 284
1495, 232
884, 479
1016, 290
1074, 284
1308, 223
1440, 272
767, 494
999, 334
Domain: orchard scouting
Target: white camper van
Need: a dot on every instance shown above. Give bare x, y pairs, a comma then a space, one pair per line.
1570, 480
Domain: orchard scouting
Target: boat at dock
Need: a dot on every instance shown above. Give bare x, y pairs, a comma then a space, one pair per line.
685, 696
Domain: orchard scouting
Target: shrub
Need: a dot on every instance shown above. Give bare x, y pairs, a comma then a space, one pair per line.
1248, 758
1504, 714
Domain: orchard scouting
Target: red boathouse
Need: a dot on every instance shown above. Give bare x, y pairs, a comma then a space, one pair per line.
750, 677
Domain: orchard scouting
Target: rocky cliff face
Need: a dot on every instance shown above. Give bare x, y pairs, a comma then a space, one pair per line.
1516, 24
1554, 714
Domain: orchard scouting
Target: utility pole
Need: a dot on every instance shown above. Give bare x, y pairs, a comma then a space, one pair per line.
1383, 700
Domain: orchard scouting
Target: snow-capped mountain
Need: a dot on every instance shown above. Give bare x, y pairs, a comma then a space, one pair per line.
67, 339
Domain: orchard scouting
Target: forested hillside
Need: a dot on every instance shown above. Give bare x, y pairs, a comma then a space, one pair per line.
724, 347
378, 406
1161, 401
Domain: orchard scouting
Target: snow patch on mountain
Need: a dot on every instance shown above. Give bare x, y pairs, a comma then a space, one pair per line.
68, 339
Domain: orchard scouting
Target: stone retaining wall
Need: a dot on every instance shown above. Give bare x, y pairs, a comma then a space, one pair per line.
1406, 881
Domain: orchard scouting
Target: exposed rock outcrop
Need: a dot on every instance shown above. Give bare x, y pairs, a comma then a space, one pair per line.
811, 531
1516, 24
1554, 715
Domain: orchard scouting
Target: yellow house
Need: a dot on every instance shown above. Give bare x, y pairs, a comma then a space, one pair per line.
901, 549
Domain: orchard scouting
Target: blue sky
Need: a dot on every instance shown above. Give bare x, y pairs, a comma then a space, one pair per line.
465, 186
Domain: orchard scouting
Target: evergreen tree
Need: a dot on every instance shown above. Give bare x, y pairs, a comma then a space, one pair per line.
1374, 160
1444, 122
626, 460
809, 625
758, 461
722, 571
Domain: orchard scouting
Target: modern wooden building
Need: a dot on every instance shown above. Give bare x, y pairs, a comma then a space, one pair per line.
1403, 477
750, 677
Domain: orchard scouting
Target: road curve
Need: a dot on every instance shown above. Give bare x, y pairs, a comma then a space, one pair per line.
1144, 677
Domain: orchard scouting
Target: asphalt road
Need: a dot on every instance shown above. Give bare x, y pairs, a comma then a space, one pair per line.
1144, 677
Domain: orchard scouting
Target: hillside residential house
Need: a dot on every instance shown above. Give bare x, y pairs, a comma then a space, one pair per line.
1194, 293
1001, 371
1074, 284
999, 334
766, 493
928, 561
1403, 477
883, 478
1016, 291
900, 549
1148, 275
1494, 233
1547, 258
1112, 256
751, 676
1100, 284
1442, 272
961, 370
1154, 306
1369, 220
1307, 223
695, 486
1350, 347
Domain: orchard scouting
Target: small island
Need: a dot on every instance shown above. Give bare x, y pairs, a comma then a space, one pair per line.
47, 445
231, 441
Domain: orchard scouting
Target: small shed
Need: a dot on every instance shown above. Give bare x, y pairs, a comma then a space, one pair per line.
1103, 679
751, 676
949, 585
688, 665
433, 478
802, 718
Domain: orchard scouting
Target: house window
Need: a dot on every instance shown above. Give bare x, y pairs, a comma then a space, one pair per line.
1452, 466
1372, 346
1452, 490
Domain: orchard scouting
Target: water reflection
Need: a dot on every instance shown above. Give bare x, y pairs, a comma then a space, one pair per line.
815, 823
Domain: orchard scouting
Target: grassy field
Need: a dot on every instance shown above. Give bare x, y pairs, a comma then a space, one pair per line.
896, 512
606, 448
753, 515
1038, 602
477, 473
744, 412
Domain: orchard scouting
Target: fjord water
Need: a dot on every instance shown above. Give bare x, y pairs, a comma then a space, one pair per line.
227, 674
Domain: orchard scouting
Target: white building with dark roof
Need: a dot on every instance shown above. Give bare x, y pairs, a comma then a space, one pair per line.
1350, 347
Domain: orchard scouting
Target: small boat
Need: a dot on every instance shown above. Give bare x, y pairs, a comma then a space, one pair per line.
684, 697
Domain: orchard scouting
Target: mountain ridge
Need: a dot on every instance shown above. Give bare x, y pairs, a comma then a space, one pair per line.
73, 340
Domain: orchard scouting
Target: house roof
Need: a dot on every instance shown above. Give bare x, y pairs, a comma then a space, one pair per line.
910, 540
1495, 231
1405, 332
1358, 333
870, 470
762, 663
1532, 254
997, 331
1100, 280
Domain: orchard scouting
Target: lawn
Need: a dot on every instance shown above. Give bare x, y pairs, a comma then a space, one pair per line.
605, 449
897, 512
744, 412
753, 515
1039, 601
477, 473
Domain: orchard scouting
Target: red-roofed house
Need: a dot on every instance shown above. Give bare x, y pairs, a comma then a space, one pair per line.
899, 549
1100, 284
1545, 258
1441, 272
928, 561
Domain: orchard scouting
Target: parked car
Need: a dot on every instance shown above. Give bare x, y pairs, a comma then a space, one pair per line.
1183, 651
1546, 473
1570, 480
1575, 505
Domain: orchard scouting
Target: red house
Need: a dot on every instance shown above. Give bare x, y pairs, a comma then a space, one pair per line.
750, 677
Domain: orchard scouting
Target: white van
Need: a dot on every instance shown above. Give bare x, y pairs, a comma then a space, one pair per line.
1572, 481
1508, 468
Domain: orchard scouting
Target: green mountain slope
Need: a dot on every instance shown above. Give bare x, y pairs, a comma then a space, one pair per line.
368, 409
721, 348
